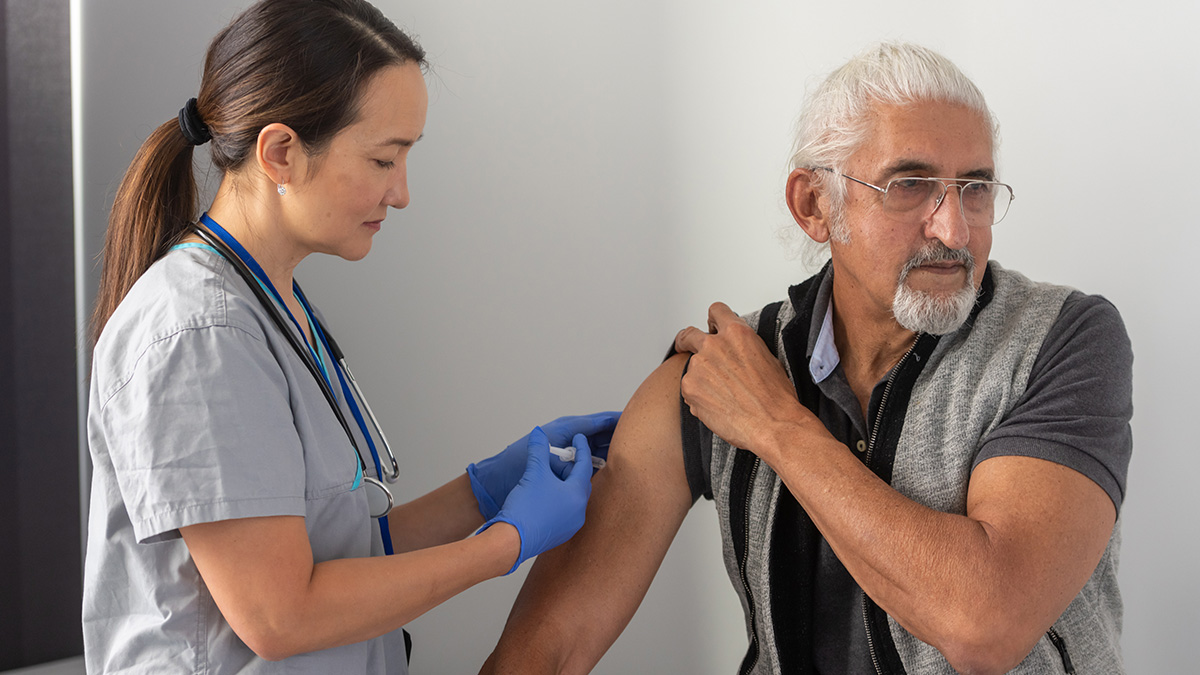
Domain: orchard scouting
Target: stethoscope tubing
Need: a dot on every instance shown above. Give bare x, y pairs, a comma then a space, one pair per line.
394, 474
303, 352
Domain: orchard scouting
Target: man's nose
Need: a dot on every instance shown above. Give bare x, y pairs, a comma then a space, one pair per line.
948, 223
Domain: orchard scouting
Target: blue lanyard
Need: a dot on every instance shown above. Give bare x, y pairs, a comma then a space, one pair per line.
346, 393
349, 397
263, 280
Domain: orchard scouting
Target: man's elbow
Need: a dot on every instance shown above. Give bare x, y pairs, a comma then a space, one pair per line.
528, 659
986, 647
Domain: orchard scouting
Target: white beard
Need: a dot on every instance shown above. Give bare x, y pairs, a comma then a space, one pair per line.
923, 312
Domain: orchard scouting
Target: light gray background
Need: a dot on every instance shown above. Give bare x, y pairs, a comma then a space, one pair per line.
594, 174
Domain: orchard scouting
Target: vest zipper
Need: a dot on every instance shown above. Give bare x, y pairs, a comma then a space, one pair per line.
887, 389
747, 667
1061, 646
866, 608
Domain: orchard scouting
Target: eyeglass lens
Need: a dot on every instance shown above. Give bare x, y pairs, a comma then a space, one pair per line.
983, 204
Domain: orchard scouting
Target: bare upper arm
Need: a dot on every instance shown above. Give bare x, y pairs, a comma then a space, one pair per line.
254, 567
1050, 525
579, 597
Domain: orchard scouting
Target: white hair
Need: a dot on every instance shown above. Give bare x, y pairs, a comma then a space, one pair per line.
835, 118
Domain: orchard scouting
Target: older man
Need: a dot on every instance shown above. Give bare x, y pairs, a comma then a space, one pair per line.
917, 458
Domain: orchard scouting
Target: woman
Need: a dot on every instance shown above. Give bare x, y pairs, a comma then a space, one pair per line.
231, 516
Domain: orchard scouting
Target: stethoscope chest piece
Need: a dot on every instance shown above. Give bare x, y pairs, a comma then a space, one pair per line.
379, 498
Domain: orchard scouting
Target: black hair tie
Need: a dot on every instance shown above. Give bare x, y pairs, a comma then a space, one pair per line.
194, 129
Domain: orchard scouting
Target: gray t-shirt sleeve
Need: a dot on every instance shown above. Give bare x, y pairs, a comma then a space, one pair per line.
201, 430
1076, 408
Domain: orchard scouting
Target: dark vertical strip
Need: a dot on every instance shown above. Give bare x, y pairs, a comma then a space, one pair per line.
793, 564
41, 321
10, 571
795, 539
745, 469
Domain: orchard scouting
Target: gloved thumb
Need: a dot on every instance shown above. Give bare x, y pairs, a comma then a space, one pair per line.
539, 449
581, 472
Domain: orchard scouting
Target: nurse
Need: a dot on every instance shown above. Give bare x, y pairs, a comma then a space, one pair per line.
229, 524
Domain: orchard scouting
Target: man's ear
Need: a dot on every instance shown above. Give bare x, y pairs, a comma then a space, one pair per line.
279, 153
806, 202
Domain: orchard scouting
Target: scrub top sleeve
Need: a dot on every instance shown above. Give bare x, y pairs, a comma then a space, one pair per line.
203, 431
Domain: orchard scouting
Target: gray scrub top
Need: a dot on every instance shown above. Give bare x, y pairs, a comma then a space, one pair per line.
200, 411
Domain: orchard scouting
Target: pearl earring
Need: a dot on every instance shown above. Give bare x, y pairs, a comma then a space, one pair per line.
282, 189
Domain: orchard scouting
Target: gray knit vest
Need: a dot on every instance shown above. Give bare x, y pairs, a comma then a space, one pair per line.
973, 379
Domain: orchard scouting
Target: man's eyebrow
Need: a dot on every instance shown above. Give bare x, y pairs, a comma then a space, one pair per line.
915, 165
906, 166
980, 174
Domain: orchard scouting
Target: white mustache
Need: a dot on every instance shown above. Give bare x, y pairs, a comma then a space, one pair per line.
937, 252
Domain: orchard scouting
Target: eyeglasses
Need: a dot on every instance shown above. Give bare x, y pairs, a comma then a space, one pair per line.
983, 203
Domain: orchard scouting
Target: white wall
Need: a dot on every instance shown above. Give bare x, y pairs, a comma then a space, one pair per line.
594, 174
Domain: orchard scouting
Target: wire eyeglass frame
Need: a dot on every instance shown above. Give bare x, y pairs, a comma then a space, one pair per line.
1000, 205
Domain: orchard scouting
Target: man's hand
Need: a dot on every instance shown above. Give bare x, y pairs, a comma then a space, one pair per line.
734, 385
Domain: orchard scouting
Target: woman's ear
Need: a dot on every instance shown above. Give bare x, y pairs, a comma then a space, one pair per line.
805, 200
279, 153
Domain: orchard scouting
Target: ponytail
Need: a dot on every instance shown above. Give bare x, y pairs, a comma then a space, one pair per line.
155, 204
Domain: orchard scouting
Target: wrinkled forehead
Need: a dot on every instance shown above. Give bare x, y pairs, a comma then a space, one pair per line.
925, 137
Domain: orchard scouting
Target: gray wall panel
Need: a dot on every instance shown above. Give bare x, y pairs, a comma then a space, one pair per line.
41, 548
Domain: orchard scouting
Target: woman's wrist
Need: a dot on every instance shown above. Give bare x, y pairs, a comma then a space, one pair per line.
503, 546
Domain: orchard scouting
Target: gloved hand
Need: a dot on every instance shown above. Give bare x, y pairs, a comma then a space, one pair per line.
545, 509
493, 478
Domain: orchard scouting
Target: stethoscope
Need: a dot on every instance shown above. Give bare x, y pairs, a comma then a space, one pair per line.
379, 497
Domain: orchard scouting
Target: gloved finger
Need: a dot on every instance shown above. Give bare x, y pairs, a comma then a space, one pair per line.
559, 467
539, 450
582, 471
561, 430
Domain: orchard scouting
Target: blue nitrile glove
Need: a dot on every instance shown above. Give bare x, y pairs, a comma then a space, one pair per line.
493, 478
545, 509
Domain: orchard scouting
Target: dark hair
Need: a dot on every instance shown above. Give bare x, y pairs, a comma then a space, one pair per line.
303, 63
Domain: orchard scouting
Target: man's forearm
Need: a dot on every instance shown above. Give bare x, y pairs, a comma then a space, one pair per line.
981, 587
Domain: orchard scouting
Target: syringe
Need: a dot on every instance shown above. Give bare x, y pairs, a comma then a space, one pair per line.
567, 454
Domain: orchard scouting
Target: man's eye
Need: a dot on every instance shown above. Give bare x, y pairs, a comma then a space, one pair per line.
910, 185
385, 165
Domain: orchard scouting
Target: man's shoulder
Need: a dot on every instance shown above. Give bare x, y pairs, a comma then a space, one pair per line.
1073, 310
800, 299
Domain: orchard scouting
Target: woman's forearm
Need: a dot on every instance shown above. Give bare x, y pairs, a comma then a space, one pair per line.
447, 514
261, 575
